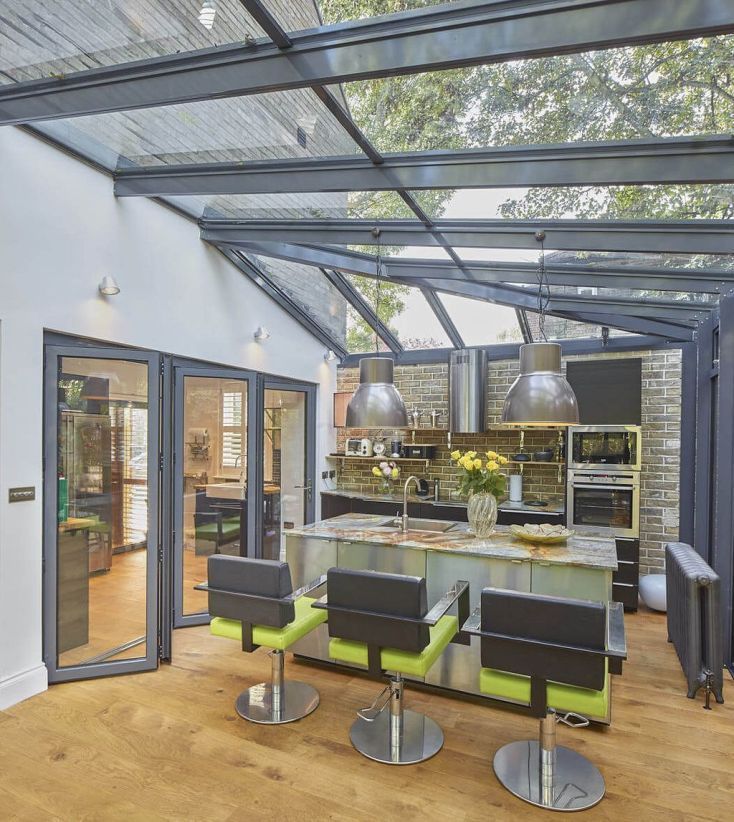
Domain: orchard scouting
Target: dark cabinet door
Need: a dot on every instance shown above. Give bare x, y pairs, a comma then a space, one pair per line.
332, 505
608, 393
523, 517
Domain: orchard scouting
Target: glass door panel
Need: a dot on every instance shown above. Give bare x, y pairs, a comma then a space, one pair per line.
102, 533
287, 478
213, 410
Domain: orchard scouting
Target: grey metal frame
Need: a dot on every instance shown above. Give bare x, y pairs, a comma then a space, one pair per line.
180, 372
482, 31
52, 354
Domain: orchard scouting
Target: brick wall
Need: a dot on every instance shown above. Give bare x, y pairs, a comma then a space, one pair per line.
426, 387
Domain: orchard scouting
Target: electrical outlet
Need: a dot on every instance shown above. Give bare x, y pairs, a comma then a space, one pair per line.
324, 475
332, 474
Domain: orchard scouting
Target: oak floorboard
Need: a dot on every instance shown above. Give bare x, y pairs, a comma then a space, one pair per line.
168, 745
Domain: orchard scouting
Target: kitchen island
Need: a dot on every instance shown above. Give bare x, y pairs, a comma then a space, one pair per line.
580, 568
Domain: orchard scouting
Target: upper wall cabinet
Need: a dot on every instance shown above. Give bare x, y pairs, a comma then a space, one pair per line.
609, 393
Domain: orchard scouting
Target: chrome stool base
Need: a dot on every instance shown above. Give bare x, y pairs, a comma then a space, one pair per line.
420, 739
576, 783
267, 706
278, 701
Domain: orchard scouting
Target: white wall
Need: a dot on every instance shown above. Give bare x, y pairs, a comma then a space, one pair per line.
61, 230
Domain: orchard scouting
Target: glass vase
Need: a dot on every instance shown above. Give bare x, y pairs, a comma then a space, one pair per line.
386, 487
482, 514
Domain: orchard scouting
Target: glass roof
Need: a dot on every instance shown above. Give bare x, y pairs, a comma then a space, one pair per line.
680, 202
658, 90
39, 39
480, 322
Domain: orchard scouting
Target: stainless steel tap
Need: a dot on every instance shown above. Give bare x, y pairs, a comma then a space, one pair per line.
406, 519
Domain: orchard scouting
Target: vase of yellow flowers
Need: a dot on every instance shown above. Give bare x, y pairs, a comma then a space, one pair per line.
387, 473
483, 482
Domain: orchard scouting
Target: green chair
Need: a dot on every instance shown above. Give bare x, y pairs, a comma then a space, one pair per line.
253, 601
212, 527
382, 622
556, 656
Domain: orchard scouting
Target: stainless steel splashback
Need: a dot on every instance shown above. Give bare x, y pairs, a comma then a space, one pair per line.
467, 391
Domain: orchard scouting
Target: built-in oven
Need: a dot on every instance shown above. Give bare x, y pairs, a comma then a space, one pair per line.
605, 502
605, 447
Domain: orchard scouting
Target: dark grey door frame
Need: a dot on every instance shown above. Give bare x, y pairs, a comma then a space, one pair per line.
311, 392
181, 370
52, 354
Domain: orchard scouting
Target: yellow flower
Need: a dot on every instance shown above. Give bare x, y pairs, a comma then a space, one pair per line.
471, 454
456, 455
376, 471
492, 455
502, 460
477, 464
492, 466
395, 473
466, 462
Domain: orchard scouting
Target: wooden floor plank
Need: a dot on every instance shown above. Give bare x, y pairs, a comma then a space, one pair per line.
169, 746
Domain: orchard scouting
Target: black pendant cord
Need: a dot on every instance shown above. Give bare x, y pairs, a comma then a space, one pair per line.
376, 234
543, 299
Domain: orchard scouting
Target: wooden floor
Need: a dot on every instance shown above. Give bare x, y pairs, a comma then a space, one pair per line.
168, 745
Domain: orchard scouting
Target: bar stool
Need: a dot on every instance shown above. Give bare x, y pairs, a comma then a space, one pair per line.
556, 655
253, 601
381, 621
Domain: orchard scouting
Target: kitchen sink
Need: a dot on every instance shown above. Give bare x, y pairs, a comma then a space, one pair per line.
417, 524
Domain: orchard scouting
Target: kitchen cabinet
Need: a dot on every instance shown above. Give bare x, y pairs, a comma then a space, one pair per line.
609, 392
571, 581
626, 579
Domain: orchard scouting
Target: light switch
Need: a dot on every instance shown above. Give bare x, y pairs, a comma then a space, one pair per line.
22, 494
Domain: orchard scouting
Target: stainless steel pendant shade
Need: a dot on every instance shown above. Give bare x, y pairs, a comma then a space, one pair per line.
541, 394
376, 402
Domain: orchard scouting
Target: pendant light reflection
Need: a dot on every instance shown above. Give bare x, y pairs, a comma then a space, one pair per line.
377, 402
207, 13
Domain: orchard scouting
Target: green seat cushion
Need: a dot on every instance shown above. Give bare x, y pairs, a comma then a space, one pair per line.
307, 618
402, 662
230, 527
516, 687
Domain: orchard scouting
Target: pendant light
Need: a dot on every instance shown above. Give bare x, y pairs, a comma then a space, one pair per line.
541, 395
377, 403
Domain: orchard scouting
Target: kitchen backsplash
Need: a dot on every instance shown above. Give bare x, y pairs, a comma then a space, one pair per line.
426, 387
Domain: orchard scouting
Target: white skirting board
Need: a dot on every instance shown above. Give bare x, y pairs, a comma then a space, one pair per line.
16, 688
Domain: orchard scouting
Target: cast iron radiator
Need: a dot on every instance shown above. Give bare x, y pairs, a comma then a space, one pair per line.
694, 619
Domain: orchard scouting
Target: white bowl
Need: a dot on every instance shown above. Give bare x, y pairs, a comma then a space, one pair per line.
652, 591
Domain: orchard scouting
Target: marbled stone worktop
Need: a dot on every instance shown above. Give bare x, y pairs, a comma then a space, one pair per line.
556, 505
582, 551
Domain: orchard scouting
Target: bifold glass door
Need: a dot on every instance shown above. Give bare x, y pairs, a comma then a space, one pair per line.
287, 463
101, 535
213, 501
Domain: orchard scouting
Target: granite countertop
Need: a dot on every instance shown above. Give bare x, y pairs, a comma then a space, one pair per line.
583, 551
556, 505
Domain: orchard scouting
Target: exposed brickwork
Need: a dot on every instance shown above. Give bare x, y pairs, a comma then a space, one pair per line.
426, 387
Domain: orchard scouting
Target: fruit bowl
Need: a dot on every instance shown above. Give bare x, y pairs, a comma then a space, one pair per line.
543, 534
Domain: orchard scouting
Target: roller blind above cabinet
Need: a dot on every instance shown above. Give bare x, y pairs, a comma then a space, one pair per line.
608, 392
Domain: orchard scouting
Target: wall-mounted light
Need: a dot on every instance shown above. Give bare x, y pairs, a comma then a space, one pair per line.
108, 286
330, 356
261, 333
207, 13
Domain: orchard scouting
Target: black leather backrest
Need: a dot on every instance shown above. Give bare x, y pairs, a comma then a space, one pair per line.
259, 578
386, 598
546, 619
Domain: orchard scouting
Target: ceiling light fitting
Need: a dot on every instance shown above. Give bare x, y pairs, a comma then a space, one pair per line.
330, 356
261, 333
108, 286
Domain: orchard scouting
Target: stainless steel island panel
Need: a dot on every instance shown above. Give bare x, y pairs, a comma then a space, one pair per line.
459, 665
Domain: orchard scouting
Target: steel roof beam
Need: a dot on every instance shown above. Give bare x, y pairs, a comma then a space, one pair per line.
666, 161
420, 40
444, 317
670, 237
635, 325
699, 281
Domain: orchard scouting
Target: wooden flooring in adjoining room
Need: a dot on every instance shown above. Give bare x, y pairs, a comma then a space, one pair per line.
168, 745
